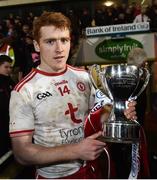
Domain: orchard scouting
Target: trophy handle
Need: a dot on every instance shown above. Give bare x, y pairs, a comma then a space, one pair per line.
145, 76
105, 85
95, 76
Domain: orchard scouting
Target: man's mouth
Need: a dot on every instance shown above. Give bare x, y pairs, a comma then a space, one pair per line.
58, 57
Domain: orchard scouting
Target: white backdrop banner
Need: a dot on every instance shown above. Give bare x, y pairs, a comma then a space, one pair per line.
112, 49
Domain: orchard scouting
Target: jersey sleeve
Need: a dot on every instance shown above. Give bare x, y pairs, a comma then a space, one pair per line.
21, 115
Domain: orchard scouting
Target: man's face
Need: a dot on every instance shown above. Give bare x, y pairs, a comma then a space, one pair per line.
5, 69
54, 47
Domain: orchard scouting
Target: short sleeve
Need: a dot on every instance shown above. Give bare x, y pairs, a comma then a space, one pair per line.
21, 115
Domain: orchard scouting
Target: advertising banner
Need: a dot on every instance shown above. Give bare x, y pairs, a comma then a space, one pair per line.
114, 49
118, 29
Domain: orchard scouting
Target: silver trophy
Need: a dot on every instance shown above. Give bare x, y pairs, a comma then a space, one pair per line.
121, 83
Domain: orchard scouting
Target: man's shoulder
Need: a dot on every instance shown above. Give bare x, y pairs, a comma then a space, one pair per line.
78, 73
77, 70
25, 81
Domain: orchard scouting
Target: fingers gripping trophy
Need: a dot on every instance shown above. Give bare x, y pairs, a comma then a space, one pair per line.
121, 83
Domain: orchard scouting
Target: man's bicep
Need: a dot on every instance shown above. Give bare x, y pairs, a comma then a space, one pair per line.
22, 140
21, 145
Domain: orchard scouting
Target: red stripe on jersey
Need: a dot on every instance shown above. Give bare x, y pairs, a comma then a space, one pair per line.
50, 74
21, 133
76, 68
24, 80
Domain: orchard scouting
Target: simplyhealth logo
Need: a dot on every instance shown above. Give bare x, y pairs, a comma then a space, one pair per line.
116, 49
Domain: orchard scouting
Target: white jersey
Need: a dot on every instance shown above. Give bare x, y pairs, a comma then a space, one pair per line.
52, 106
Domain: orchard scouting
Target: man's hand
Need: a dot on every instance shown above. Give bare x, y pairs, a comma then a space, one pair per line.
90, 148
130, 112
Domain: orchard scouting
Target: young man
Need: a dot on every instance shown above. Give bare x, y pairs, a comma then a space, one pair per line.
49, 106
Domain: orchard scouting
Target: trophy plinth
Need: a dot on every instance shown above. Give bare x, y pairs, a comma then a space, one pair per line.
120, 83
121, 132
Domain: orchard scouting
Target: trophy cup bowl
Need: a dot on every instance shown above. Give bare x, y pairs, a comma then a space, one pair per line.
121, 83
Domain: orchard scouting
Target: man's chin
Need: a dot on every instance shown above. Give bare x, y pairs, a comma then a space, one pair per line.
60, 68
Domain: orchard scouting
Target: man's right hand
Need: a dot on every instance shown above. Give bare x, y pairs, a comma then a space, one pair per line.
90, 148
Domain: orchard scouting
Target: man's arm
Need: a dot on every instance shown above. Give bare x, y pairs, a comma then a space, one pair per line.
28, 153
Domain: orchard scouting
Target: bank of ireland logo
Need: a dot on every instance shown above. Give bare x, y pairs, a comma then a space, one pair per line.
81, 86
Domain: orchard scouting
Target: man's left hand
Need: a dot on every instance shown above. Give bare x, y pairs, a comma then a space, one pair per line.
130, 112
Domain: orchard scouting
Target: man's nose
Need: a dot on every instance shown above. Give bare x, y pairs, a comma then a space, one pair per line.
59, 46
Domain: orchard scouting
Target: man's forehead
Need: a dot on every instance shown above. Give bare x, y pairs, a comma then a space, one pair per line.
54, 28
54, 32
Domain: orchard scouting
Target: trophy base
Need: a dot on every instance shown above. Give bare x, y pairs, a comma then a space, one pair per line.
121, 132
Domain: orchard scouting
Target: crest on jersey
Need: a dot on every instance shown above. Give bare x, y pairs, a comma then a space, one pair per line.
81, 86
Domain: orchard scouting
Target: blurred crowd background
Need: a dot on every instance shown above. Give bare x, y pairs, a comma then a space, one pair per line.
16, 24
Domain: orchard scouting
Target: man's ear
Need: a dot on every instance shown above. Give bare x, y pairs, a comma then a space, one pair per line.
36, 46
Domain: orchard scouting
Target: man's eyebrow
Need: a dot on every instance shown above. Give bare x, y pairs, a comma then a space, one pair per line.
50, 39
54, 39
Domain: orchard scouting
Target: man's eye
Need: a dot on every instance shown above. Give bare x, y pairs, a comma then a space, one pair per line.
65, 40
50, 41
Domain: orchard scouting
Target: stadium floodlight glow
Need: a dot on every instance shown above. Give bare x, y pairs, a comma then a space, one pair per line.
108, 3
